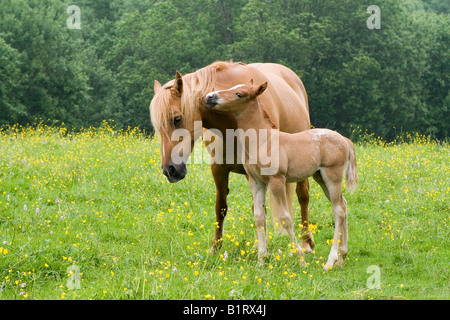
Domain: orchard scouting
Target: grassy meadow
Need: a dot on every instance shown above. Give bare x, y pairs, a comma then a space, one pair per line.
89, 215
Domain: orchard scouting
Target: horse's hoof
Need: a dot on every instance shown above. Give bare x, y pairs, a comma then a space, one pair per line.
308, 243
216, 245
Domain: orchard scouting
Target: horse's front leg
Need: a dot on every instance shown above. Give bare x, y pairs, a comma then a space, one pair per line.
220, 174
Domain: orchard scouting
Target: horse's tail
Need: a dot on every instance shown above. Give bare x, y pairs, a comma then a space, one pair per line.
279, 229
351, 176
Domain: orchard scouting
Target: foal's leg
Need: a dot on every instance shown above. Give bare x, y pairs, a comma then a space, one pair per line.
220, 174
253, 205
278, 189
318, 177
302, 191
332, 186
259, 211
344, 247
339, 247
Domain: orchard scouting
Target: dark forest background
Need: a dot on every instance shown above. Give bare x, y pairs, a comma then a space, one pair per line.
389, 81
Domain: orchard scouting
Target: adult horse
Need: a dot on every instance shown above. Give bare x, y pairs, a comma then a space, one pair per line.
180, 102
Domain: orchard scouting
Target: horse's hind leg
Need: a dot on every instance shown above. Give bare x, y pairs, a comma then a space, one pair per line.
278, 189
331, 183
302, 191
220, 174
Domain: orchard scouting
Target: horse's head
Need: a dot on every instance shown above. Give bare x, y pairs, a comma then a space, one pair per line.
236, 99
176, 126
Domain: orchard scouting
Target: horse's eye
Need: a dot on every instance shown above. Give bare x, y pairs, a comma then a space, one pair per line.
239, 95
176, 121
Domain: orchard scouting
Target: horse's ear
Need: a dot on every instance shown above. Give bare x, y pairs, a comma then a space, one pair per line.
261, 89
250, 83
178, 84
157, 87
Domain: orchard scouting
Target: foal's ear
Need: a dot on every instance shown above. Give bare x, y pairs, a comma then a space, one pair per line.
178, 84
261, 89
157, 87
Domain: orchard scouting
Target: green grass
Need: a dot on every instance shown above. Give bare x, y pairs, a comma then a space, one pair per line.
98, 200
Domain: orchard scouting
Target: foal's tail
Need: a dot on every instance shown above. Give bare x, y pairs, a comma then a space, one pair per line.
351, 176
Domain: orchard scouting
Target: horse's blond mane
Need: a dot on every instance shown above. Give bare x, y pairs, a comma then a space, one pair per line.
160, 112
195, 86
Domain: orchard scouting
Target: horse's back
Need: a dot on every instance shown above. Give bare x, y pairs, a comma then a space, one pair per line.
287, 101
289, 76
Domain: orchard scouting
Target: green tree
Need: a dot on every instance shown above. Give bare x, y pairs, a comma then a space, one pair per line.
53, 84
153, 45
387, 80
11, 107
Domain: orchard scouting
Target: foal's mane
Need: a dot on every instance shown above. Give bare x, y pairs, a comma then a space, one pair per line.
195, 86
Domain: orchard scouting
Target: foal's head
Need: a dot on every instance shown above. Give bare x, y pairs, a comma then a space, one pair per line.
236, 99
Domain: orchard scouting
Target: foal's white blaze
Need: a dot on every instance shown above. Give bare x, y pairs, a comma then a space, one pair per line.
216, 92
220, 100
235, 87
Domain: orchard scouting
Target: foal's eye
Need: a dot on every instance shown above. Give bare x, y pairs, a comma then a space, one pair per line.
239, 95
176, 121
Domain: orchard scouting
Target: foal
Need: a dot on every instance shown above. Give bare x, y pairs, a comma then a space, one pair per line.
320, 153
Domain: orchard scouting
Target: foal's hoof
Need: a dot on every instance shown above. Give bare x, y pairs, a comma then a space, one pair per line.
339, 262
328, 266
306, 247
303, 262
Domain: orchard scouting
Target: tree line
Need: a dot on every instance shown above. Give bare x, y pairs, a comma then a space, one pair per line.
387, 80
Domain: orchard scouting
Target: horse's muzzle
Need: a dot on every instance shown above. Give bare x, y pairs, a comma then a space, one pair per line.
175, 172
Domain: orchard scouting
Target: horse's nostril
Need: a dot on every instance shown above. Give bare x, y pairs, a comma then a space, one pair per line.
174, 172
171, 169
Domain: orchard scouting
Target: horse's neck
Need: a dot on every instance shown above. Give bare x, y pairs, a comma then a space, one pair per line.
219, 121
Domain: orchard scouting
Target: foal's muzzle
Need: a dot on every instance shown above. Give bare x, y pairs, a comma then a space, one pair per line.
211, 99
175, 172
